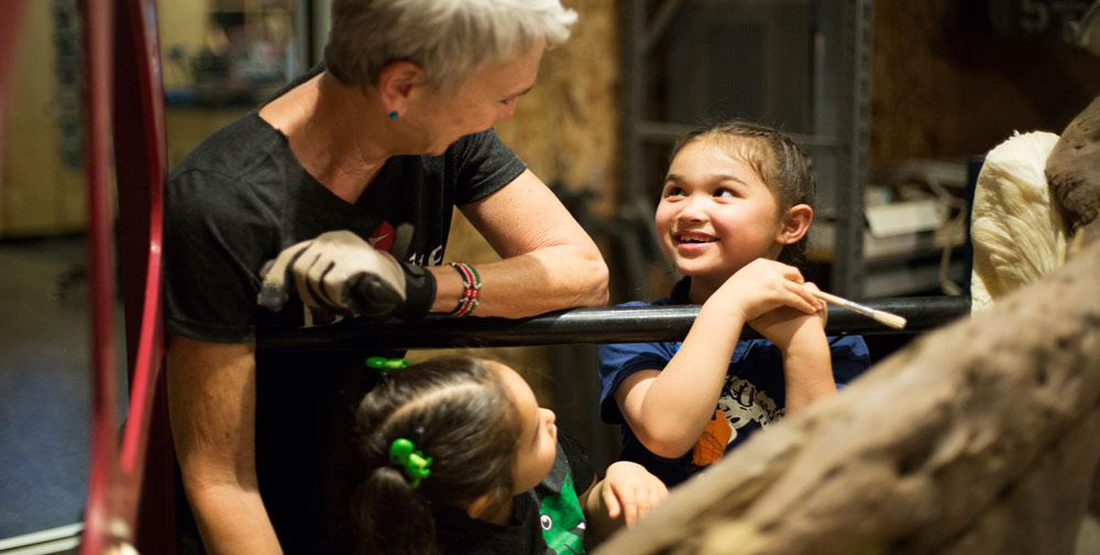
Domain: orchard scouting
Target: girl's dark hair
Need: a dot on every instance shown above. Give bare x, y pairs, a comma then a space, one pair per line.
456, 411
784, 167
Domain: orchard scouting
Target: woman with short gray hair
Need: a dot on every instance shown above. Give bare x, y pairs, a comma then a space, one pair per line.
334, 200
447, 38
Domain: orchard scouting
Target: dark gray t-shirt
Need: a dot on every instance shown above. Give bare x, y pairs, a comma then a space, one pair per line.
241, 197
238, 200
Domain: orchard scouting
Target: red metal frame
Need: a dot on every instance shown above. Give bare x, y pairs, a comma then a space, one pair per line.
141, 163
117, 470
100, 526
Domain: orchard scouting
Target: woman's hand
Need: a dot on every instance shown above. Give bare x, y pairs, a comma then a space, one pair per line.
339, 272
629, 489
764, 285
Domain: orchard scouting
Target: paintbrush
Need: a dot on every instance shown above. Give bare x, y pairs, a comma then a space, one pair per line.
881, 316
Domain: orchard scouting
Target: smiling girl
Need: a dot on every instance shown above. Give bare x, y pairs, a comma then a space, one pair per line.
736, 205
454, 455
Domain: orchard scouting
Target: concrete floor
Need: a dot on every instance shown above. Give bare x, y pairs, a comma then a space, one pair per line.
44, 384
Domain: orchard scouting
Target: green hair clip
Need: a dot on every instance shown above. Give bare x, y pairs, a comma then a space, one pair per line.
416, 466
383, 363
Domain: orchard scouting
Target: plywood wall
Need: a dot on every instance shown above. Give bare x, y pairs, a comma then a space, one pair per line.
567, 128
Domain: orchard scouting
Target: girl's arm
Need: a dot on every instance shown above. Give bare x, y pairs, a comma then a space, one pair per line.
670, 408
628, 491
807, 367
807, 359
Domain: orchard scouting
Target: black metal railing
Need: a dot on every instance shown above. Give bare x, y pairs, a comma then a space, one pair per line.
587, 325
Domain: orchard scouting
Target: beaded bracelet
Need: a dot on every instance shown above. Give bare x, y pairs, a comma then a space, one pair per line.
471, 289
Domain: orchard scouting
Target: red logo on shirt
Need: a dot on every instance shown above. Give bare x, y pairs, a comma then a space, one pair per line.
382, 238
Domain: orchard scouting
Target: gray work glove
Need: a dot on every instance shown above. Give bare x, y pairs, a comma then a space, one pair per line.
339, 272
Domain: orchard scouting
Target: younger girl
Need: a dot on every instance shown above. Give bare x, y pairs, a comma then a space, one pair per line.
454, 455
736, 199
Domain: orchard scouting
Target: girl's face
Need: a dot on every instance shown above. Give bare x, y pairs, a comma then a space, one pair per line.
538, 440
715, 214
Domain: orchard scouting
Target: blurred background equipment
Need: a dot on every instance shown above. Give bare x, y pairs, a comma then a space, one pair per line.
802, 66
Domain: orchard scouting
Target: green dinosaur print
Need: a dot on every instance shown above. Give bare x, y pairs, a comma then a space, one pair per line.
562, 520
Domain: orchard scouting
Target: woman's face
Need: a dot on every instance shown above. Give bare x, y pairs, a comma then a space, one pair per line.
538, 440
487, 96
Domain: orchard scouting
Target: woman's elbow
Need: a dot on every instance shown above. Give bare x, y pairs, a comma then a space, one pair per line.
596, 279
599, 285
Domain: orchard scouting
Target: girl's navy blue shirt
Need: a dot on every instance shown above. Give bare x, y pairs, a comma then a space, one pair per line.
753, 395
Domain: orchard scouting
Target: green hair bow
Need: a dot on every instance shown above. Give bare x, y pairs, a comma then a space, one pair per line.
383, 363
416, 466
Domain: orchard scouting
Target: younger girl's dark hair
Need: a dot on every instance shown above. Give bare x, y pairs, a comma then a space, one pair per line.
784, 167
454, 410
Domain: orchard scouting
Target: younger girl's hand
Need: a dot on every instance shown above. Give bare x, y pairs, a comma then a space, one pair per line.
764, 285
629, 489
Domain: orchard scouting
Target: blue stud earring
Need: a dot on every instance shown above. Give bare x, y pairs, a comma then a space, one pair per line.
393, 115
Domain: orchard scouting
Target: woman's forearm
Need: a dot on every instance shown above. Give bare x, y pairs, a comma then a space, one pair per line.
211, 403
232, 520
548, 261
551, 278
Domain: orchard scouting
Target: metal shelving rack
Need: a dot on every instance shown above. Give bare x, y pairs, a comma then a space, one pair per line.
837, 111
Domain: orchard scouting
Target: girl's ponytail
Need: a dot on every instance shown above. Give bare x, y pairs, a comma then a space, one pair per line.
391, 517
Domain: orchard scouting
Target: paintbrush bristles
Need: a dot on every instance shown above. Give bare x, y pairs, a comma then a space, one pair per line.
892, 320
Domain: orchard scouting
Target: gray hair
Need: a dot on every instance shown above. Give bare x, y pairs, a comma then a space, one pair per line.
447, 38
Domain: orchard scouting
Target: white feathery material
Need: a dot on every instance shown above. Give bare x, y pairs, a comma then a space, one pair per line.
1018, 234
